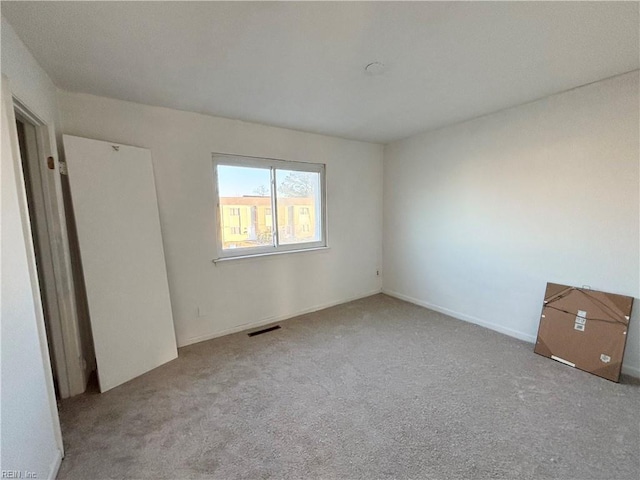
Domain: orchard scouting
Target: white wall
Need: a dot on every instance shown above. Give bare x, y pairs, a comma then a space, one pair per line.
480, 215
235, 294
30, 429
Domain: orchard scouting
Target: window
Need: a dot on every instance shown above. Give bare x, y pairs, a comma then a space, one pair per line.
275, 205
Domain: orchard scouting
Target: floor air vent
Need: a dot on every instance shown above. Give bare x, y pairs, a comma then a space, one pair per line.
264, 330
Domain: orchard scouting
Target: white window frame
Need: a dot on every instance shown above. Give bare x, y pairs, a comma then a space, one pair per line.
272, 165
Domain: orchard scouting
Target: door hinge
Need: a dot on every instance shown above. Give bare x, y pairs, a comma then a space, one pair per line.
63, 168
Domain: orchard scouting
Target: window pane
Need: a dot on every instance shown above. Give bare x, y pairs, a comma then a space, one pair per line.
299, 198
245, 206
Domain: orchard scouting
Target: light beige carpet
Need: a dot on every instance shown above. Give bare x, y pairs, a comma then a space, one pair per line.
376, 388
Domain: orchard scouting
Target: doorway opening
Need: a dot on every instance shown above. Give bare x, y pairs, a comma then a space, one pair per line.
58, 270
31, 156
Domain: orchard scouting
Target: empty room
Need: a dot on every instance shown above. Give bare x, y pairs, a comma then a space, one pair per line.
320, 240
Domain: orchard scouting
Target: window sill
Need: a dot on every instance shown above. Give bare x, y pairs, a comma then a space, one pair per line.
268, 254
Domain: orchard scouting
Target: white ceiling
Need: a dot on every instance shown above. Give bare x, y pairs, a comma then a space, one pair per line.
301, 65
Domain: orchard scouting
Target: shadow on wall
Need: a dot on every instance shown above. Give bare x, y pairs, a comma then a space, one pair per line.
82, 306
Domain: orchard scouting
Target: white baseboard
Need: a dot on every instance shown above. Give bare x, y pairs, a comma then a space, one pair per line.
631, 371
462, 316
268, 320
55, 466
626, 369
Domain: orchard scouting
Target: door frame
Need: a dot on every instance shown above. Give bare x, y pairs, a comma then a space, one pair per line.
70, 366
30, 163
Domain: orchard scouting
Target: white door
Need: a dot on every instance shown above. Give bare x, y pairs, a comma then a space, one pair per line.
116, 210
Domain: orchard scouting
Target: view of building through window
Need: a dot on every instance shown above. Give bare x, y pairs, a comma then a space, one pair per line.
247, 201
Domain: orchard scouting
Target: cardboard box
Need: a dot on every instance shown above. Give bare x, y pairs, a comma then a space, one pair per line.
585, 329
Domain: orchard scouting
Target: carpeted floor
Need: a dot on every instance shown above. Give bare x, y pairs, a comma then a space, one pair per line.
376, 388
